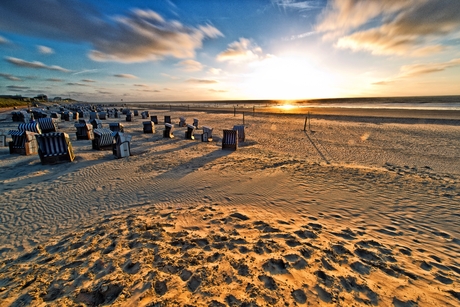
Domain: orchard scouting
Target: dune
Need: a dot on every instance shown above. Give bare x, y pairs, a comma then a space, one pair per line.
350, 213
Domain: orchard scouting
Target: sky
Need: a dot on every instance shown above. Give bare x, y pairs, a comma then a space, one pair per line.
179, 50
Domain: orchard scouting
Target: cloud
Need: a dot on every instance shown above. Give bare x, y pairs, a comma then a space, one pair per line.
202, 81
88, 80
139, 35
140, 85
416, 70
400, 26
298, 5
77, 84
35, 64
243, 50
190, 65
85, 71
45, 50
54, 80
215, 71
218, 91
17, 88
10, 77
127, 76
3, 40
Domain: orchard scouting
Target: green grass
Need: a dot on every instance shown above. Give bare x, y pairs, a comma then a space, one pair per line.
9, 102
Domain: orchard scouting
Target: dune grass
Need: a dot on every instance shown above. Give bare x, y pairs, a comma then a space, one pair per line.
9, 102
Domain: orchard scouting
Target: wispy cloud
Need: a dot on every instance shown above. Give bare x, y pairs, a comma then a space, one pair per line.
298, 5
76, 84
3, 40
126, 76
88, 80
34, 64
45, 50
406, 27
202, 81
10, 77
190, 65
416, 70
141, 85
17, 88
54, 80
243, 50
86, 71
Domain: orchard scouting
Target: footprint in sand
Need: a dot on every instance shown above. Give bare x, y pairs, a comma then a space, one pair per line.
299, 296
268, 281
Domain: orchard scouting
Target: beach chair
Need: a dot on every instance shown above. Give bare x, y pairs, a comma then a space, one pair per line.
241, 135
136, 112
167, 119
122, 146
54, 147
97, 123
3, 142
168, 132
154, 119
189, 134
230, 139
81, 114
84, 131
93, 115
103, 139
54, 115
207, 134
32, 127
182, 122
129, 117
23, 142
47, 124
145, 114
17, 116
149, 127
67, 116
102, 115
116, 127
195, 122
75, 116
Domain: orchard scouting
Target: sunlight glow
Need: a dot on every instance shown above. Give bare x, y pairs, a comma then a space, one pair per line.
288, 78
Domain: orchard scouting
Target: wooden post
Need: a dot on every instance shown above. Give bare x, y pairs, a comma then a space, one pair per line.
305, 124
234, 111
309, 122
243, 118
169, 107
253, 110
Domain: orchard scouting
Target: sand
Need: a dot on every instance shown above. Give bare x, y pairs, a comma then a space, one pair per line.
351, 213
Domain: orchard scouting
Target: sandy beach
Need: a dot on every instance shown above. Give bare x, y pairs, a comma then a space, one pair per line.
350, 212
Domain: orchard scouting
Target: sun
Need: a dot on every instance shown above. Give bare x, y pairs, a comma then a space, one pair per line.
288, 78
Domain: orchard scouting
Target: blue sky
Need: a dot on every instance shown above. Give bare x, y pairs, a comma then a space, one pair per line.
224, 50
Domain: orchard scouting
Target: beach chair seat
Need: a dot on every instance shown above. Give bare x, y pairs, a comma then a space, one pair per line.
54, 147
241, 135
67, 116
47, 124
182, 122
129, 117
97, 123
230, 139
103, 139
136, 112
167, 119
116, 127
168, 132
23, 142
121, 148
154, 119
195, 122
149, 127
32, 127
207, 134
84, 131
145, 114
54, 115
189, 134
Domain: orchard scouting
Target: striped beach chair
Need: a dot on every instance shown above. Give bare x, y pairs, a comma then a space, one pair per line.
154, 119
195, 122
168, 132
145, 114
167, 119
97, 123
54, 147
149, 127
182, 122
189, 134
207, 134
241, 135
129, 117
230, 139
23, 142
102, 115
103, 139
33, 127
84, 131
47, 124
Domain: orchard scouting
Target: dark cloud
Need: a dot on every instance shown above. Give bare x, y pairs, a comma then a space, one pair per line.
77, 84
10, 77
127, 76
16, 88
54, 80
88, 80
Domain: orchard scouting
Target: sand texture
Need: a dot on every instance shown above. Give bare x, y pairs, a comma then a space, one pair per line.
351, 213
